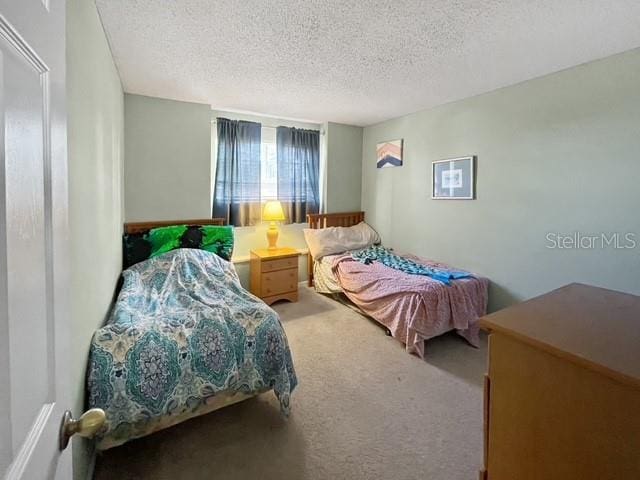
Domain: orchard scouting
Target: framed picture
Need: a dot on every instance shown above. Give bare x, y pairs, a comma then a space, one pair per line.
453, 179
389, 154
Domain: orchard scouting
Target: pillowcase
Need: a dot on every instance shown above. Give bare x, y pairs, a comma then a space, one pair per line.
332, 240
212, 238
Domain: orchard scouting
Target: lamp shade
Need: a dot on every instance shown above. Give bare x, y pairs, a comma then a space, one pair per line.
273, 211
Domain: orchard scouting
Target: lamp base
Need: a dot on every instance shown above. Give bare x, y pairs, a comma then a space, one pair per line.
272, 236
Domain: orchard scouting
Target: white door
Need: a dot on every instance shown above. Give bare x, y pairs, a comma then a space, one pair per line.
34, 310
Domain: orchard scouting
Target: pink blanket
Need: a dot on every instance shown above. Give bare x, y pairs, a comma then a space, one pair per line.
414, 307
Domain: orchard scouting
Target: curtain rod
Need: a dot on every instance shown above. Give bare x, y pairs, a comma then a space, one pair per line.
274, 127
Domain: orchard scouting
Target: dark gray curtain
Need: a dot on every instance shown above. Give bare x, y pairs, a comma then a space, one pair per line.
237, 186
298, 153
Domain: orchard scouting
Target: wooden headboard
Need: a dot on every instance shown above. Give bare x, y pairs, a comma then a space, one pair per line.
323, 220
143, 227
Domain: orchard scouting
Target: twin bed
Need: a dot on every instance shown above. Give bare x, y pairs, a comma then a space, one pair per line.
184, 337
414, 308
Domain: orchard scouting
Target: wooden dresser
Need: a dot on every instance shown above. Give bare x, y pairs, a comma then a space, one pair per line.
562, 396
274, 274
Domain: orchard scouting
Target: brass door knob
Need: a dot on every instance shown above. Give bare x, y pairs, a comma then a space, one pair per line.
86, 426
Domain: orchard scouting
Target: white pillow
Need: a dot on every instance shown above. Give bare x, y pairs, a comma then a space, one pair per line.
332, 240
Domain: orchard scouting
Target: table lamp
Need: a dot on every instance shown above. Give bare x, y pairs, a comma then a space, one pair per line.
273, 213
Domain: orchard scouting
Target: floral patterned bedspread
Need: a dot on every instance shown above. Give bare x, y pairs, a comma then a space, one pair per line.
182, 331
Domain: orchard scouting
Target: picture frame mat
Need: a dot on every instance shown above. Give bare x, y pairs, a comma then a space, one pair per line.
472, 187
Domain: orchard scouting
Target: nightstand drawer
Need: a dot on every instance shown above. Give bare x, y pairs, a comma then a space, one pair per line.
279, 264
282, 281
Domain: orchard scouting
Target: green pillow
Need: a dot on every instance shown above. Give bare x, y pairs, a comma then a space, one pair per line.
165, 239
212, 238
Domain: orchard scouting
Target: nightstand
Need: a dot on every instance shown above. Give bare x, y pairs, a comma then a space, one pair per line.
274, 274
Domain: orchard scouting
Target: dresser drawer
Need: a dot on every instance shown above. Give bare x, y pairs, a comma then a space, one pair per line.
281, 281
279, 264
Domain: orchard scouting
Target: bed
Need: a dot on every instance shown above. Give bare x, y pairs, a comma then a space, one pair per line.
184, 338
414, 308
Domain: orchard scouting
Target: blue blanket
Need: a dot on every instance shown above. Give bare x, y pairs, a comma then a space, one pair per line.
386, 257
182, 331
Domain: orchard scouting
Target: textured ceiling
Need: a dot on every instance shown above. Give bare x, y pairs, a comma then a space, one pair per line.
354, 62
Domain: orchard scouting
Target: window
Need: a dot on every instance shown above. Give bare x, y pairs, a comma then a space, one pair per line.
268, 165
256, 163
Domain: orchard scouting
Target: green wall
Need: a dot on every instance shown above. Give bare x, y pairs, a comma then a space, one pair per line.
168, 167
168, 172
557, 154
95, 151
343, 170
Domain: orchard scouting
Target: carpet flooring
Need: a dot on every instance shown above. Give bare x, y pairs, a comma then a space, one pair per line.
364, 409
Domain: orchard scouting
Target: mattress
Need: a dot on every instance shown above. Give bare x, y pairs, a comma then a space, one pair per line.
324, 279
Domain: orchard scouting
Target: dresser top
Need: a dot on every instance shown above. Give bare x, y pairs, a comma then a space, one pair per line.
595, 327
269, 254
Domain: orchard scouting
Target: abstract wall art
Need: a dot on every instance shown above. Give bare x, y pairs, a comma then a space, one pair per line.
389, 154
